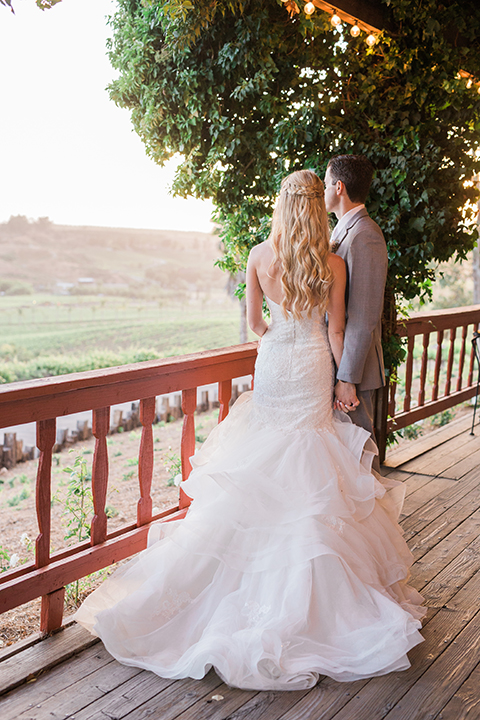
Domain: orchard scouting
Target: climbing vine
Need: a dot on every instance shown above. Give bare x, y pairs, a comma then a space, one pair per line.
245, 94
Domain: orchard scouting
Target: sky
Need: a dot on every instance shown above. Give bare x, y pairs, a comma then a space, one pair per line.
66, 150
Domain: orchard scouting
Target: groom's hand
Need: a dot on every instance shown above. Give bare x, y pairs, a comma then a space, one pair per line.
345, 397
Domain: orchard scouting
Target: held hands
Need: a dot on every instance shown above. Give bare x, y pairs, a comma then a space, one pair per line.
345, 397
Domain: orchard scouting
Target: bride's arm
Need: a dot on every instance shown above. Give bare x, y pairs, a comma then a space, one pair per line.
336, 307
254, 296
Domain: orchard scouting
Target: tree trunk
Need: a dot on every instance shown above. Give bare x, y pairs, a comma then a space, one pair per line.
243, 321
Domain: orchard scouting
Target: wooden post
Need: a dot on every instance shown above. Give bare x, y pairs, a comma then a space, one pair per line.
189, 403
224, 395
100, 426
145, 461
51, 613
381, 420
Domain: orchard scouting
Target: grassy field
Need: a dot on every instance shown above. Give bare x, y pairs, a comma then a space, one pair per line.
75, 299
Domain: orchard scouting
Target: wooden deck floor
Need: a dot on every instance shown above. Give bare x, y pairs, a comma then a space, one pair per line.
71, 676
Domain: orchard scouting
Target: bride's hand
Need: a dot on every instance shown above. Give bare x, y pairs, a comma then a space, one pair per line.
345, 397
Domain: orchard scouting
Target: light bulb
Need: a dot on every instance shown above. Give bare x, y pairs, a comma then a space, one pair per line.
355, 31
371, 40
335, 20
469, 83
309, 8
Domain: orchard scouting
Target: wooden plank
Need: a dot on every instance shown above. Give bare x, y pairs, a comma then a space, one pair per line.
465, 704
422, 517
453, 576
444, 524
46, 654
23, 698
423, 494
436, 461
179, 701
262, 706
415, 448
143, 696
106, 680
464, 466
379, 695
445, 551
445, 676
415, 482
325, 700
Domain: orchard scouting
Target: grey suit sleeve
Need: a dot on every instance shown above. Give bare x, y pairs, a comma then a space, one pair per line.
367, 267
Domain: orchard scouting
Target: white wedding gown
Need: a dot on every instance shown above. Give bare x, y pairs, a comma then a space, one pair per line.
290, 563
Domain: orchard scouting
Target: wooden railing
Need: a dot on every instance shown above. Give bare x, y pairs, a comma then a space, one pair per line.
435, 376
439, 370
45, 400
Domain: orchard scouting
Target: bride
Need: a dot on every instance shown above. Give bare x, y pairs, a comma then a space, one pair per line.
290, 563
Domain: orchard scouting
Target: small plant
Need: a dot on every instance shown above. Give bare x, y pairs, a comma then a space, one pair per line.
133, 435
412, 432
11, 482
79, 500
4, 560
17, 499
78, 509
443, 418
128, 475
24, 478
111, 511
132, 461
118, 453
173, 465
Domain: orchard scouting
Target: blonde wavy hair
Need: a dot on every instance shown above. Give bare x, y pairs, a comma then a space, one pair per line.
300, 241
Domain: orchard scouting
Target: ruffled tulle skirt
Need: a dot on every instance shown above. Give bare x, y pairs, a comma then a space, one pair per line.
289, 565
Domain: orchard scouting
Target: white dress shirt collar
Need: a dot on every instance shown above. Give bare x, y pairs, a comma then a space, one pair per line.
343, 222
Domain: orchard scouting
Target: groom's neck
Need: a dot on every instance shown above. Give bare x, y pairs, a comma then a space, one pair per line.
345, 206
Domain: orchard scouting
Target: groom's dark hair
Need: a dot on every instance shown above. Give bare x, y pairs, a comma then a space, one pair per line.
356, 173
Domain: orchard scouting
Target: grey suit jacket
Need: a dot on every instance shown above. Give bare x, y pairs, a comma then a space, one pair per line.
362, 245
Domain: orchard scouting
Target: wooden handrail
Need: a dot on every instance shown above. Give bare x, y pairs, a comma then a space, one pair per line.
46, 399
423, 375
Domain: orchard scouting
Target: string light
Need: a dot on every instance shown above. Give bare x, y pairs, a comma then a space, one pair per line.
309, 8
371, 40
355, 30
335, 20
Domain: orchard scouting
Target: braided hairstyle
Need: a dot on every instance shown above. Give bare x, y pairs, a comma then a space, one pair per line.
300, 241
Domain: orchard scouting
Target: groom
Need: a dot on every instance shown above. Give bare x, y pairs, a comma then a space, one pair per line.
360, 242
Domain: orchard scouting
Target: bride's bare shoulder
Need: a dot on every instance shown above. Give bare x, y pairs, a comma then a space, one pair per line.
262, 252
337, 264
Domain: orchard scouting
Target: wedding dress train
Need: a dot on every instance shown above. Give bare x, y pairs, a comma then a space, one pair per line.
290, 563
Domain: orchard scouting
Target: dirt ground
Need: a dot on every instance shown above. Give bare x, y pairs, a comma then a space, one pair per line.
18, 525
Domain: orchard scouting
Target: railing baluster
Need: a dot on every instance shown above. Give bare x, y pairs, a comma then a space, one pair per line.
100, 427
224, 395
408, 374
451, 354
391, 402
438, 365
472, 358
51, 613
145, 461
46, 432
461, 359
423, 370
189, 404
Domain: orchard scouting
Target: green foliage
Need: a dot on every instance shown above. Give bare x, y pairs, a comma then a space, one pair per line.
79, 500
173, 465
247, 94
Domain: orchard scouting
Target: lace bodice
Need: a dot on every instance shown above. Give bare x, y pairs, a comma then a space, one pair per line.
294, 373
